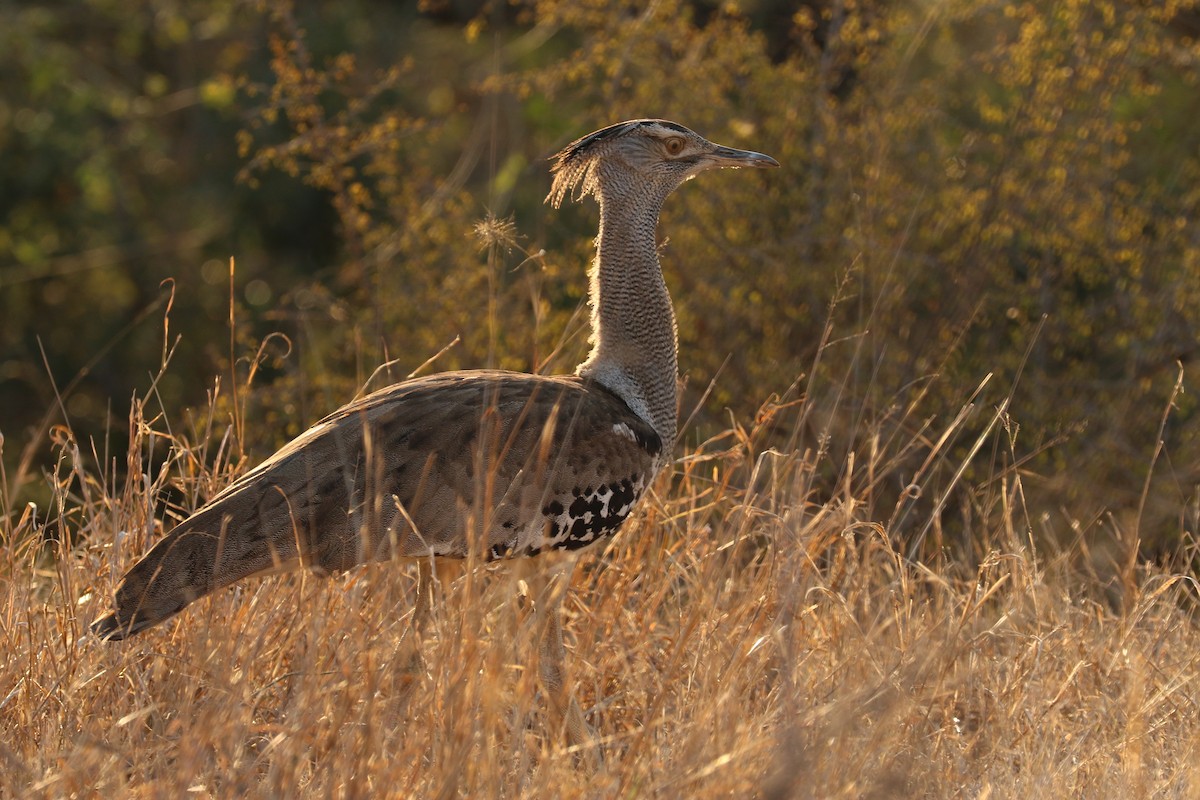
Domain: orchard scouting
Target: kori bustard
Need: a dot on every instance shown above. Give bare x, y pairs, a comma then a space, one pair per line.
484, 464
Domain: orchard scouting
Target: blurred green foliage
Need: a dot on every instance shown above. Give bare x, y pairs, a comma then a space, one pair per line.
969, 187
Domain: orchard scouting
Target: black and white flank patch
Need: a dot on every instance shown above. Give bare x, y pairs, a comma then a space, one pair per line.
593, 513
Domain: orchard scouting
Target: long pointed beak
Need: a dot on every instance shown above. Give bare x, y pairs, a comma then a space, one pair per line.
723, 156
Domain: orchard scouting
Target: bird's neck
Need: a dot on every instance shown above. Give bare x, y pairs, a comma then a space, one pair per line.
633, 324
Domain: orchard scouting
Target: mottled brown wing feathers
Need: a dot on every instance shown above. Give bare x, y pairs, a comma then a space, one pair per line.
492, 462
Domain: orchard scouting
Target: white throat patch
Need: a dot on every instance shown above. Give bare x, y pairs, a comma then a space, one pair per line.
623, 386
621, 429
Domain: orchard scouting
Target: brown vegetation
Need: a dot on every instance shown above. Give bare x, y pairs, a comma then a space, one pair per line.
738, 639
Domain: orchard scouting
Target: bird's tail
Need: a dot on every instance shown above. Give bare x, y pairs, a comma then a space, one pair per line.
216, 547
175, 572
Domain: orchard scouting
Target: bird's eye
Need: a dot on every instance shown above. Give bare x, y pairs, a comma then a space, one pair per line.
674, 146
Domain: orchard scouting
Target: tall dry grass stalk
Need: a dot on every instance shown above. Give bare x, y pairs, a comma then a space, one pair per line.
744, 636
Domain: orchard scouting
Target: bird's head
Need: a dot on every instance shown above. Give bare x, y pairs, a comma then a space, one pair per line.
644, 154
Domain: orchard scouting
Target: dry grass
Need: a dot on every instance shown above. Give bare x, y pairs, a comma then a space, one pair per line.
738, 639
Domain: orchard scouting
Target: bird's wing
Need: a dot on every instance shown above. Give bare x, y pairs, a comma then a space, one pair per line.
488, 462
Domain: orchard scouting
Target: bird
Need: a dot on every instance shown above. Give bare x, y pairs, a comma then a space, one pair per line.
484, 464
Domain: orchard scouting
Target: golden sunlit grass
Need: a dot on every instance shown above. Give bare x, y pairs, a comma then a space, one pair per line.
739, 638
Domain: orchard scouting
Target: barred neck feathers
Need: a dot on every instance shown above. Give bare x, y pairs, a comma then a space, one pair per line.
634, 342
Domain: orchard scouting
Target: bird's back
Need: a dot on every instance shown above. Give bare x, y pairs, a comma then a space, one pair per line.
421, 465
496, 463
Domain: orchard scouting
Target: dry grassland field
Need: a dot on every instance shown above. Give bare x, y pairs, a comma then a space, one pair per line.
739, 638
